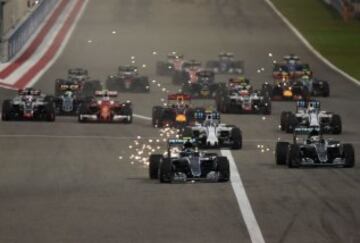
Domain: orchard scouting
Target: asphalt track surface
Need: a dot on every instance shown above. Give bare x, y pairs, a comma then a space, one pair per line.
65, 182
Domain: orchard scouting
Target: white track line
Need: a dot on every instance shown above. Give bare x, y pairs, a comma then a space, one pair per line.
47, 136
308, 45
142, 117
243, 201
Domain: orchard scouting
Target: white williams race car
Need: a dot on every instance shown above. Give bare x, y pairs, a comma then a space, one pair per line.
308, 114
212, 133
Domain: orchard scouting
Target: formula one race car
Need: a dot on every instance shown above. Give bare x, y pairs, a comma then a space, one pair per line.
226, 64
78, 74
29, 104
103, 108
203, 86
184, 162
128, 79
178, 112
82, 87
173, 63
187, 73
239, 97
315, 150
211, 133
286, 90
308, 114
315, 86
292, 66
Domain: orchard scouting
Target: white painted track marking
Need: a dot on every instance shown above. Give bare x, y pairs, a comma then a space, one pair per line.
309, 46
243, 201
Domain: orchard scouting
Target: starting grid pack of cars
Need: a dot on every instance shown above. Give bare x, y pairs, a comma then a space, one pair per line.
198, 127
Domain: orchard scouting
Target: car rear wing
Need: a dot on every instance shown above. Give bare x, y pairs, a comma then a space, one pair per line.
72, 87
305, 131
34, 92
303, 104
291, 57
179, 97
102, 93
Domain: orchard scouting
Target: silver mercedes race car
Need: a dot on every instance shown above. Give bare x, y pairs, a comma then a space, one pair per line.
314, 150
184, 162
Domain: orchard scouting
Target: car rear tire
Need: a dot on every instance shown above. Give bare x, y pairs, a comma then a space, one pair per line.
236, 137
284, 120
281, 152
349, 155
336, 124
326, 89
294, 157
6, 110
291, 123
154, 164
166, 173
223, 168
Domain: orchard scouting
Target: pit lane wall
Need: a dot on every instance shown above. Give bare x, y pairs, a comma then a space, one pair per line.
347, 8
14, 39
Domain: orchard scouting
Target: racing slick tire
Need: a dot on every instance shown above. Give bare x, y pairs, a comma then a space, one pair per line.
223, 168
236, 137
326, 89
294, 156
284, 119
156, 116
50, 111
6, 110
154, 164
291, 123
166, 173
348, 155
336, 124
144, 85
281, 152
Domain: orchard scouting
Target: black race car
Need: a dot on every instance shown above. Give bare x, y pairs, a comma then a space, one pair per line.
29, 105
128, 79
226, 64
315, 150
184, 162
203, 86
177, 112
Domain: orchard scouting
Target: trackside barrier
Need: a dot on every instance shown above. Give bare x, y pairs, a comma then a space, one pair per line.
16, 39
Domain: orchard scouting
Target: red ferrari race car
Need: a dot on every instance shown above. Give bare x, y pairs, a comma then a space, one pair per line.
104, 108
177, 112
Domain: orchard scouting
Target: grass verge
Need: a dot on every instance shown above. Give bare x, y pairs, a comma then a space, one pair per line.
325, 29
